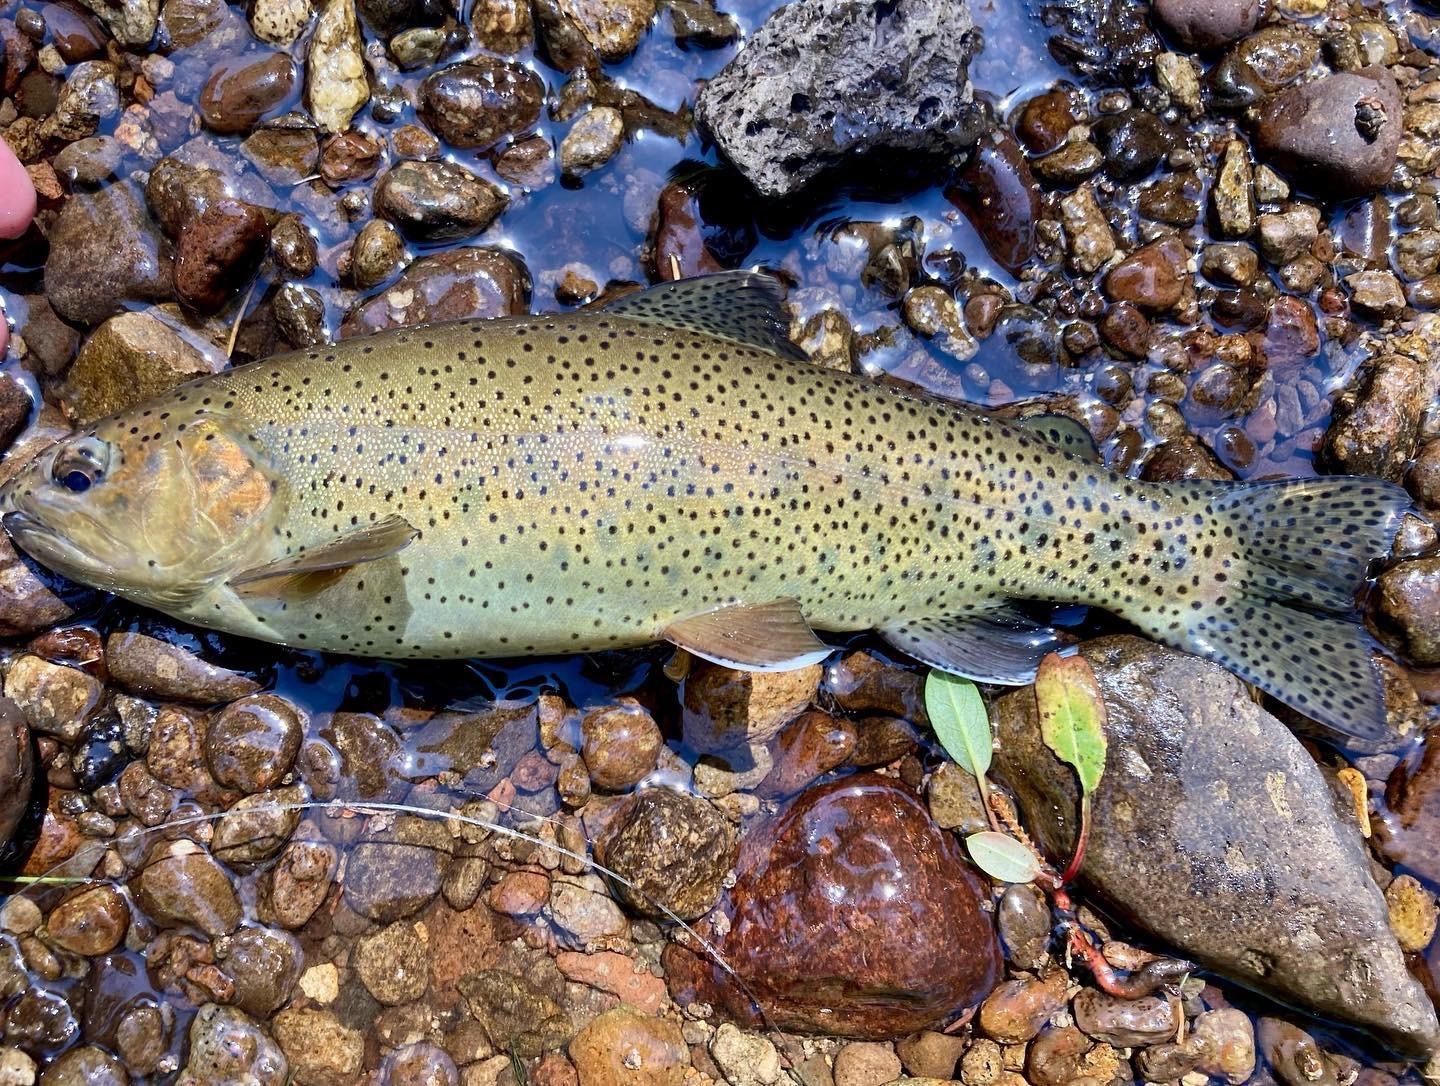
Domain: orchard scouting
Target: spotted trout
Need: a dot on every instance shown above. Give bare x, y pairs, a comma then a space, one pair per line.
671, 468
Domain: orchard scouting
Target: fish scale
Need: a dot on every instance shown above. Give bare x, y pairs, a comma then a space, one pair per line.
665, 467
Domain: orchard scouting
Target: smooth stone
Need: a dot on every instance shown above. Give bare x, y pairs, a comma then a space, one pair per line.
1336, 137
853, 915
478, 104
1207, 24
472, 282
106, 254
1164, 855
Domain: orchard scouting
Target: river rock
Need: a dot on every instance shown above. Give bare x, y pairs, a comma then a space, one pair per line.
130, 358
621, 1047
227, 1045
218, 253
185, 887
1375, 430
1410, 600
477, 104
1338, 136
725, 709
457, 284
241, 91
337, 83
17, 768
803, 94
673, 850
1167, 857
1207, 24
852, 914
437, 201
612, 27
105, 254
132, 22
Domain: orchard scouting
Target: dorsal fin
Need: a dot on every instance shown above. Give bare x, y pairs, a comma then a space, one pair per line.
741, 306
1064, 433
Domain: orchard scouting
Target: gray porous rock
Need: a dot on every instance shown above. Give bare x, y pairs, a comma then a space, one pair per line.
1214, 831
826, 79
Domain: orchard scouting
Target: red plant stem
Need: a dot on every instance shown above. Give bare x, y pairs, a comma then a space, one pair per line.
1078, 859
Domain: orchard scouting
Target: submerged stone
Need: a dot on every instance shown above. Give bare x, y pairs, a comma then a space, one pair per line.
1214, 832
854, 915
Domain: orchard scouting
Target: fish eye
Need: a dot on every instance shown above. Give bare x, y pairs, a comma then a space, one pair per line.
81, 465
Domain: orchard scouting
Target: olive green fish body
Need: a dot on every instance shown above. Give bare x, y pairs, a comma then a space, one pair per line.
596, 480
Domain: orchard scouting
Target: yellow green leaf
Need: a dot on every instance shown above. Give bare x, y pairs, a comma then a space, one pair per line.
1002, 857
1072, 715
958, 716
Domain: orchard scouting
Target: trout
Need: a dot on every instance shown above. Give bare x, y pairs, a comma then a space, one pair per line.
671, 468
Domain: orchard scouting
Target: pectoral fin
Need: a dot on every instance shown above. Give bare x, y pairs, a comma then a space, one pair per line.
995, 645
368, 544
770, 636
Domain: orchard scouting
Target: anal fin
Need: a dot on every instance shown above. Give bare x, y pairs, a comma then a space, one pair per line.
770, 636
996, 644
315, 567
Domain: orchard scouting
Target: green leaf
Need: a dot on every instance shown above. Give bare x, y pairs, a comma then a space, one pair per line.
1002, 857
1072, 715
957, 713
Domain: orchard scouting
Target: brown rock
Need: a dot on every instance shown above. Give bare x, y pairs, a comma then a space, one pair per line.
478, 104
1279, 820
186, 887
999, 196
620, 744
1207, 24
674, 852
218, 253
54, 699
1126, 329
677, 237
1046, 120
252, 744
809, 747
320, 1049
299, 881
154, 668
1125, 1023
622, 1048
614, 29
17, 768
1291, 335
847, 897
453, 285
1338, 136
1410, 601
242, 91
520, 893
725, 709
89, 923
1376, 432
31, 597
1015, 1011
1152, 277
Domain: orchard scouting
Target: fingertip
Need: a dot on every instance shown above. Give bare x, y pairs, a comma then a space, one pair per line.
17, 195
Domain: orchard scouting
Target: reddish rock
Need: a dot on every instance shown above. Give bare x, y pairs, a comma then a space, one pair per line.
520, 893
853, 915
617, 974
678, 240
218, 252
1152, 277
1291, 336
1409, 830
242, 90
998, 194
808, 748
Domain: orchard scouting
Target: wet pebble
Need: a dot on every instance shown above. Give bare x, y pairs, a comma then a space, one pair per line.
422, 1064
1337, 136
184, 886
725, 709
299, 881
256, 827
477, 104
253, 742
866, 1063
105, 255
1025, 924
453, 285
242, 91
520, 893
394, 873
799, 874
17, 768
437, 201
1287, 234
806, 749
622, 1048
87, 1065
264, 964
1152, 277
1377, 293
1125, 1023
280, 22
1133, 142
320, 1050
593, 140
391, 963
1207, 24
954, 800
227, 1045
158, 669
997, 192
613, 29
512, 1006
1046, 120
1224, 1043
620, 744
218, 253
1015, 1011
283, 155
54, 699
931, 1054
1090, 243
674, 851
1291, 337
377, 255
90, 923
130, 358
1410, 603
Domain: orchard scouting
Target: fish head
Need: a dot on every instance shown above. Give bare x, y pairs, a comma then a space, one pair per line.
153, 508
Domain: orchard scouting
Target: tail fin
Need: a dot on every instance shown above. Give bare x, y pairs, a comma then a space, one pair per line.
1306, 547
